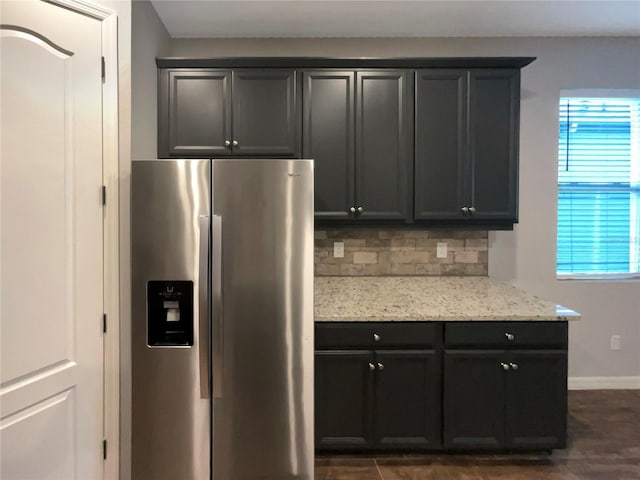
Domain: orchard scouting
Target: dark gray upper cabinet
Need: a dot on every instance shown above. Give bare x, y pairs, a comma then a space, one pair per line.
422, 141
265, 113
194, 113
441, 165
209, 112
494, 112
467, 145
384, 125
328, 121
358, 129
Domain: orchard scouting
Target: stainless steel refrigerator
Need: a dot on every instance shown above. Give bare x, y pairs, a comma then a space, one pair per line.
222, 319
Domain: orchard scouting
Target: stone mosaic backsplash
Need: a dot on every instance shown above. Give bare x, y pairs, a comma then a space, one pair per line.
401, 252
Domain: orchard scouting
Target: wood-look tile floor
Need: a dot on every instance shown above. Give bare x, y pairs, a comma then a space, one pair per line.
603, 444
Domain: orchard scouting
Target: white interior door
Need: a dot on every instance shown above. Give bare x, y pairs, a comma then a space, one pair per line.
51, 370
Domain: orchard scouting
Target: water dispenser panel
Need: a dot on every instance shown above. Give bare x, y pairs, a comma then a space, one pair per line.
169, 313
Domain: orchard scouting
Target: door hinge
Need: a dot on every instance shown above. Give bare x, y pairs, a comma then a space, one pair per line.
104, 449
104, 194
104, 323
104, 69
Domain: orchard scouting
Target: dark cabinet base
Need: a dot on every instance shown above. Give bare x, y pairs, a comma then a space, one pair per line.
429, 386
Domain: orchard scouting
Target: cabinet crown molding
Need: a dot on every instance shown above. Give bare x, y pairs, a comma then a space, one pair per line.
350, 63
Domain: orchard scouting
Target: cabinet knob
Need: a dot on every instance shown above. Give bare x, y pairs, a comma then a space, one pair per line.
235, 143
372, 367
376, 337
380, 366
360, 209
505, 366
514, 366
465, 210
472, 209
510, 336
352, 209
227, 143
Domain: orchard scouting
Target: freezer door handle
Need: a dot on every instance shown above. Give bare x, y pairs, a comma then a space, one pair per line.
203, 306
218, 314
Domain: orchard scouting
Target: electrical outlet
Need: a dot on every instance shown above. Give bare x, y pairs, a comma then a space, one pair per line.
616, 342
338, 249
441, 250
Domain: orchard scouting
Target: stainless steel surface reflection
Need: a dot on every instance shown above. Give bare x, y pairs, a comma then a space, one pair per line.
263, 423
237, 404
170, 420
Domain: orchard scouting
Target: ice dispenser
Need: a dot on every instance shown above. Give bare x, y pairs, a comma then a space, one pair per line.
169, 313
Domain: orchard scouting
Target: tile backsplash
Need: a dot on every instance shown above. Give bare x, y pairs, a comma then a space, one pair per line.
401, 252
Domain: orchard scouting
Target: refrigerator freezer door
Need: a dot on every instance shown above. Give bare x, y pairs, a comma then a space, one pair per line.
170, 417
263, 419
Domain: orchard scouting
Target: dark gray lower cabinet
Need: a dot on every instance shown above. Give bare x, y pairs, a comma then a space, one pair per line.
474, 400
505, 399
536, 409
387, 398
343, 399
391, 386
407, 399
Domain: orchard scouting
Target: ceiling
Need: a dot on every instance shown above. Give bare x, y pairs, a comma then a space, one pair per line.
399, 18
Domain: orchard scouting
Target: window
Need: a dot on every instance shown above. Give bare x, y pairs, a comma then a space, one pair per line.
599, 186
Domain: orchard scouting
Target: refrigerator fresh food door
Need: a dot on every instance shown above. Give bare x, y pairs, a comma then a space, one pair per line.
170, 363
263, 320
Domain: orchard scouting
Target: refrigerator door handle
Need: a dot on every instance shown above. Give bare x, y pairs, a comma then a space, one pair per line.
203, 305
218, 314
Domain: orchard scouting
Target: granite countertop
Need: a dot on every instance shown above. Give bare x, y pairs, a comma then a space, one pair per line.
370, 299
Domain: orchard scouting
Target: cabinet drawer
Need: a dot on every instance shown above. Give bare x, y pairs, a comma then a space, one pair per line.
378, 334
528, 334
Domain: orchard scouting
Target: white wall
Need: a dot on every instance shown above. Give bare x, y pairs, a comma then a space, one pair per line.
525, 256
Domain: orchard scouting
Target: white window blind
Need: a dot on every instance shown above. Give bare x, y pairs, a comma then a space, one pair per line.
598, 186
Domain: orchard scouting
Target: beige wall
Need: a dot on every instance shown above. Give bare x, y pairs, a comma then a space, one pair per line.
525, 256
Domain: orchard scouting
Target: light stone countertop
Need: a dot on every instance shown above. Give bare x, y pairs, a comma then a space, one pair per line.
370, 299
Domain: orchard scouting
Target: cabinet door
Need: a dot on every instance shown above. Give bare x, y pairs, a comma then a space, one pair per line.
407, 399
328, 119
343, 393
441, 168
194, 114
493, 128
384, 121
474, 399
537, 400
265, 113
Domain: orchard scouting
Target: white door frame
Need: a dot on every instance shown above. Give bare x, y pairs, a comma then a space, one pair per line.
111, 253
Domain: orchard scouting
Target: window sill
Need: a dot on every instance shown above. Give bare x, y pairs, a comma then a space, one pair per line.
600, 276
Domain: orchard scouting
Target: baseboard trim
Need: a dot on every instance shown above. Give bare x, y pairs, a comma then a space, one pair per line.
603, 383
